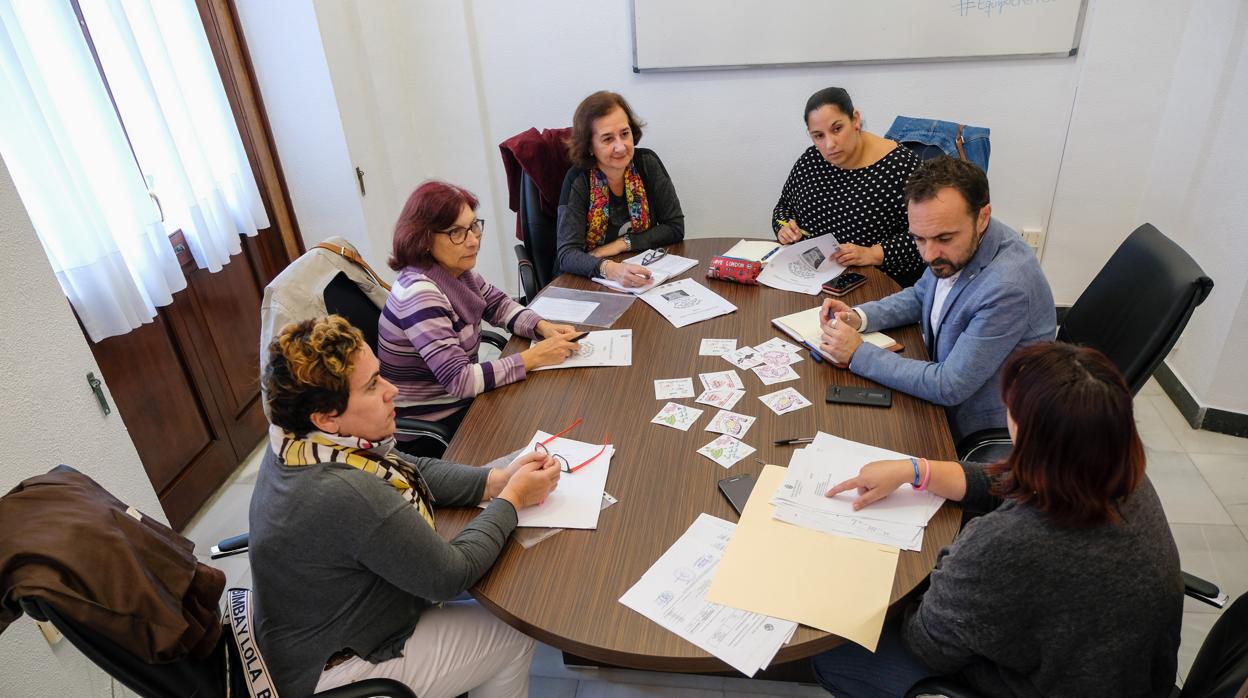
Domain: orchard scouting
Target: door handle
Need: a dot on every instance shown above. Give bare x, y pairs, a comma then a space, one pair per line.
98, 389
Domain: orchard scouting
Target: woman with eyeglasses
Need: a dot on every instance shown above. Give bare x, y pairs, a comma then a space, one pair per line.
429, 333
351, 579
616, 198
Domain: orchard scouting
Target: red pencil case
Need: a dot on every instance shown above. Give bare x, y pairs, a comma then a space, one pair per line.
742, 271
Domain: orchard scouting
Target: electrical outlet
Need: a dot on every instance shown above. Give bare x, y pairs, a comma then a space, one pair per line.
1034, 237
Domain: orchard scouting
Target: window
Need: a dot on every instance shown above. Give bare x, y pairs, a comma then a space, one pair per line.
103, 104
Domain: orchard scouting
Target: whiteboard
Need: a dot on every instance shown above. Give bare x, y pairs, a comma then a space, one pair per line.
705, 34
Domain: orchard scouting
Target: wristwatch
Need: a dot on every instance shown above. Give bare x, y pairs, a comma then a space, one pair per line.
628, 243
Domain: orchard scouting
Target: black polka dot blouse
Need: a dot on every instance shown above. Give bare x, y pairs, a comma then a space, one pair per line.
864, 206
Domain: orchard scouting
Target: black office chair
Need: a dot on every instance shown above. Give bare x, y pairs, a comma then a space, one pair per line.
536, 257
1220, 669
344, 297
1133, 312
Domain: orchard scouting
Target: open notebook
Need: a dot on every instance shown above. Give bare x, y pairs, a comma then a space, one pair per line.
804, 327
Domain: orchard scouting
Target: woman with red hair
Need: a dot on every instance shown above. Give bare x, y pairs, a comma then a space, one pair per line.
429, 332
1070, 586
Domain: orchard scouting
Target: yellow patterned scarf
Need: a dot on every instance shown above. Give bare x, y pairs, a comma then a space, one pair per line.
376, 458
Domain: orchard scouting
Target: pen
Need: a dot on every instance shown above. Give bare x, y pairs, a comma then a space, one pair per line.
790, 442
783, 223
579, 337
814, 353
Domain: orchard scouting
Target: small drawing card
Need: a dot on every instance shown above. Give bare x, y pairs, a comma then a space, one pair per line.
717, 347
726, 450
744, 358
731, 423
770, 374
721, 380
784, 401
673, 388
677, 416
779, 357
723, 399
780, 344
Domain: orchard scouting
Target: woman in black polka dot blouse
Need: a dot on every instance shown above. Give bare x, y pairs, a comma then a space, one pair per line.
849, 184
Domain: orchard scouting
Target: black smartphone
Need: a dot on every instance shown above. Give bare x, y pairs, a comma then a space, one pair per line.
844, 283
871, 397
737, 489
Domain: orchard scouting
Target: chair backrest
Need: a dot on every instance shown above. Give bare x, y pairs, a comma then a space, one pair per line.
344, 297
1138, 304
202, 678
538, 230
1221, 666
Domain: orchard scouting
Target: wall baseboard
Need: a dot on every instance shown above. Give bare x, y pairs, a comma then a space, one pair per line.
1207, 418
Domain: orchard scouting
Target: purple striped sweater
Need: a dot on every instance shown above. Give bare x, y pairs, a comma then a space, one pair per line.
429, 334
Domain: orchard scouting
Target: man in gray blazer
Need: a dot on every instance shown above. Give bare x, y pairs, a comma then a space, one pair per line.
982, 296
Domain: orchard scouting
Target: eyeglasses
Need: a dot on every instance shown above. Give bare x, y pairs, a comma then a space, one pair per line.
653, 256
458, 234
542, 448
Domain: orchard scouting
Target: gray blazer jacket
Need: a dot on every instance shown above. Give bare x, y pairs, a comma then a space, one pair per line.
1000, 302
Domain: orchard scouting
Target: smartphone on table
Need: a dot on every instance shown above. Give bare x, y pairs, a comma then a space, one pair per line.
737, 489
844, 283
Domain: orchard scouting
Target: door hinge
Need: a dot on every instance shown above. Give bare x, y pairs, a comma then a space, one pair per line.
359, 177
97, 387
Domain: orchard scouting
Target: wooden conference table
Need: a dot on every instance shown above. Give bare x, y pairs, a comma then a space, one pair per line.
565, 590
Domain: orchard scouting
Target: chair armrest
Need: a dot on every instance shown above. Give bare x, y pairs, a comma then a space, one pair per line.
527, 273
235, 545
421, 427
1204, 590
494, 339
985, 446
946, 686
369, 688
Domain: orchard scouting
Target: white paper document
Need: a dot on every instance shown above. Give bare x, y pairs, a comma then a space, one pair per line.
672, 593
601, 348
666, 267
753, 250
803, 266
562, 309
686, 301
575, 503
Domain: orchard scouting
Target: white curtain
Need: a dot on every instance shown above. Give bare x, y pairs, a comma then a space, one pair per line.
73, 165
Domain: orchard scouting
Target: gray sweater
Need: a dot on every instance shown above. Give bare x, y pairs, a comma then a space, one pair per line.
340, 561
1023, 607
668, 221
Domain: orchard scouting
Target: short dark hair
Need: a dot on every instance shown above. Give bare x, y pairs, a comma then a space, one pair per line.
829, 96
1077, 452
309, 371
432, 208
596, 106
931, 176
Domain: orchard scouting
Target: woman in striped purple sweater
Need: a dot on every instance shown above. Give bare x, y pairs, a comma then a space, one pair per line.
429, 332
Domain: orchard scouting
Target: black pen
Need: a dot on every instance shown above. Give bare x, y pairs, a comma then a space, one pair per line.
579, 337
790, 442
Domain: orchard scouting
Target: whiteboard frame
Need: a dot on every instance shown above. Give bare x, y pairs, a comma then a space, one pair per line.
1074, 50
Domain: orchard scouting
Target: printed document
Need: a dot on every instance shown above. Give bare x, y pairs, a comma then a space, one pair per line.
576, 501
601, 348
803, 266
686, 301
666, 267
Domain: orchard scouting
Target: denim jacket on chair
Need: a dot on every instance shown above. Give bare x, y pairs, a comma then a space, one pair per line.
943, 135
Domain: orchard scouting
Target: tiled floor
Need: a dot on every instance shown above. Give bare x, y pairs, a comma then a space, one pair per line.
1202, 478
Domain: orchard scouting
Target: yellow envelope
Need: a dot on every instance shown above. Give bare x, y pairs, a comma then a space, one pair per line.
838, 585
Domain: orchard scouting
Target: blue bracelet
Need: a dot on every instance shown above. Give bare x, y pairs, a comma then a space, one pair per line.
915, 463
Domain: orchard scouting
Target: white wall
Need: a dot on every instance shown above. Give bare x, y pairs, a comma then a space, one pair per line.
1082, 147
50, 416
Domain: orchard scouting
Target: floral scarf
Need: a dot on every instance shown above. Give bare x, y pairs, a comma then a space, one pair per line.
600, 200
376, 458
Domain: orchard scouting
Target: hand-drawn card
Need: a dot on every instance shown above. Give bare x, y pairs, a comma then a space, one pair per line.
723, 399
717, 347
721, 380
770, 374
779, 357
745, 357
783, 401
777, 343
731, 423
677, 416
673, 388
726, 450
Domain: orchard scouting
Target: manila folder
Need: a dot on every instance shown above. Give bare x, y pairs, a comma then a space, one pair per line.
835, 584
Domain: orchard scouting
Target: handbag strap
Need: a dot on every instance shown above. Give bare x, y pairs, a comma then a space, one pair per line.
353, 256
957, 141
241, 612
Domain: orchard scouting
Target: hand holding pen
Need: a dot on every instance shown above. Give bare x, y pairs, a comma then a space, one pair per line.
789, 233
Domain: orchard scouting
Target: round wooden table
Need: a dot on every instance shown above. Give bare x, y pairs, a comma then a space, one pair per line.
565, 590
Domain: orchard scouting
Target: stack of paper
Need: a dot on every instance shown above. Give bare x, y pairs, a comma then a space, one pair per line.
897, 520
600, 348
686, 301
664, 268
803, 266
575, 503
672, 593
804, 327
